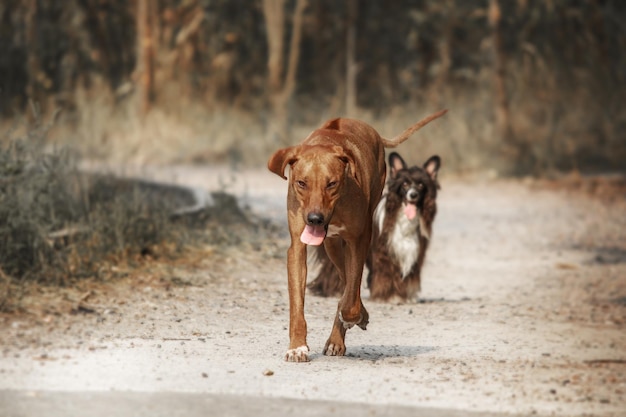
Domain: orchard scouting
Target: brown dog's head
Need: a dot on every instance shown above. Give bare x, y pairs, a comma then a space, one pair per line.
316, 178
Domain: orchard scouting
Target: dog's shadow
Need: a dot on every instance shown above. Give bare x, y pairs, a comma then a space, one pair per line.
380, 352
442, 300
409, 303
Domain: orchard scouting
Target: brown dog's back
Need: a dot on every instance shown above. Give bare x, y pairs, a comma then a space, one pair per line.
327, 282
355, 137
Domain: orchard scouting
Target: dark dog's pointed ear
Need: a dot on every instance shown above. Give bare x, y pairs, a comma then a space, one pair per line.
396, 163
432, 167
280, 159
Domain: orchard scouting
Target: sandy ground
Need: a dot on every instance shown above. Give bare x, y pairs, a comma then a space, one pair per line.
522, 311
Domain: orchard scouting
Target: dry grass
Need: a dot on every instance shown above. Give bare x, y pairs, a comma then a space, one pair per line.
562, 131
106, 127
61, 226
465, 137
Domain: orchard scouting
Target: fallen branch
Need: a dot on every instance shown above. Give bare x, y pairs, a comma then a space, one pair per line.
68, 231
606, 361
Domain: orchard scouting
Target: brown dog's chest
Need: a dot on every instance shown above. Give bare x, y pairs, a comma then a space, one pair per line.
335, 230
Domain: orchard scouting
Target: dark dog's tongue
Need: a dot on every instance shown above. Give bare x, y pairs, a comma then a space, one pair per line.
313, 235
410, 211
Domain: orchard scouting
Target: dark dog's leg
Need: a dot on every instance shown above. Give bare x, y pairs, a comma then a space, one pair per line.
420, 262
411, 285
382, 275
296, 271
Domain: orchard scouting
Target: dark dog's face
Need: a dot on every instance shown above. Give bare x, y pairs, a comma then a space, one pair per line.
413, 185
316, 179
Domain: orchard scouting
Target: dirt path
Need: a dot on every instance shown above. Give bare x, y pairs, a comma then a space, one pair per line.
523, 311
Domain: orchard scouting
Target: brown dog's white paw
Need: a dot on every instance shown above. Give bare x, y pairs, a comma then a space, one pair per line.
333, 349
299, 354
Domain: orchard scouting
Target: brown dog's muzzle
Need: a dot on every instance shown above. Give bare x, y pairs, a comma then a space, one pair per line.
314, 230
315, 219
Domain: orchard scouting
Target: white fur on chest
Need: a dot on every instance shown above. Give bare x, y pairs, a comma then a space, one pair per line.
403, 243
334, 231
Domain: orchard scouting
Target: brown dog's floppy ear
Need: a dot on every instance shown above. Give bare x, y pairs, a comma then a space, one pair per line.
347, 158
280, 159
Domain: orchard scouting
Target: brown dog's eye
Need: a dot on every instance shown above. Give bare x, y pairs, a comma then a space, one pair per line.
331, 184
420, 186
301, 184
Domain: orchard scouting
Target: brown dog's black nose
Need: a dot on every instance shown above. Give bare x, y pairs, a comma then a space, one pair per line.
315, 219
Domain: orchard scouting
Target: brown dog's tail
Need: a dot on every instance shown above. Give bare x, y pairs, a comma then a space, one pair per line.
392, 143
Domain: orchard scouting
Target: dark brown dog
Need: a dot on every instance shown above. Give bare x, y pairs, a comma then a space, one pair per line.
401, 233
336, 179
402, 230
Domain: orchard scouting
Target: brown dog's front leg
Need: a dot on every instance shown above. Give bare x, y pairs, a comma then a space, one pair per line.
351, 309
335, 345
296, 271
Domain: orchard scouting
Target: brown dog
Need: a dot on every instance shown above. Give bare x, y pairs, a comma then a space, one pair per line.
336, 179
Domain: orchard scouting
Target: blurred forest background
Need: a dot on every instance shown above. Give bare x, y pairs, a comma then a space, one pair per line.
533, 86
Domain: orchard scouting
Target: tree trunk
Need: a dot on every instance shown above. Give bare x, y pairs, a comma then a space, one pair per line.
502, 112
294, 50
280, 89
444, 50
144, 71
351, 64
33, 91
274, 13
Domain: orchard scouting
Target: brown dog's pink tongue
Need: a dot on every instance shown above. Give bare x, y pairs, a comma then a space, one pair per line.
313, 235
410, 211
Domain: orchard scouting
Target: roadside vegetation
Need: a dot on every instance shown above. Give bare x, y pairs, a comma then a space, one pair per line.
60, 225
